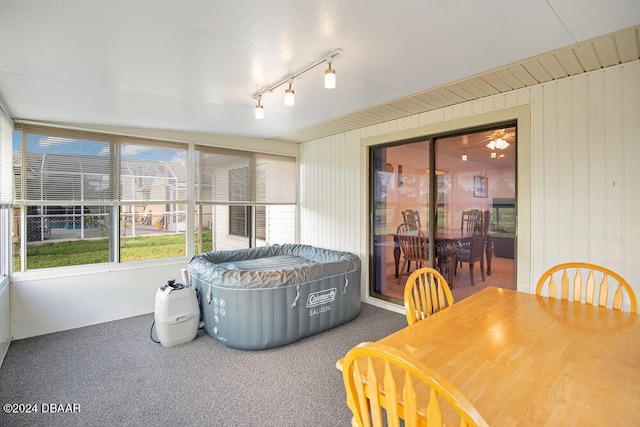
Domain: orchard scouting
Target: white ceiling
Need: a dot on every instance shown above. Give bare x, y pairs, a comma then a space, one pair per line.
193, 65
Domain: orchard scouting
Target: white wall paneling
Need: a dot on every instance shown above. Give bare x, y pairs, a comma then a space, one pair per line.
5, 319
630, 188
46, 301
329, 192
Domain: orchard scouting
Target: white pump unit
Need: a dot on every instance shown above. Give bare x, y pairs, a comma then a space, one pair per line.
177, 314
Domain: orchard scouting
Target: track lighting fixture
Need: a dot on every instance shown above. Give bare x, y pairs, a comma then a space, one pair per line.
329, 82
259, 109
289, 96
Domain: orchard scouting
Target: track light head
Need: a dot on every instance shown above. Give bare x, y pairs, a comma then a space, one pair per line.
289, 96
259, 110
329, 77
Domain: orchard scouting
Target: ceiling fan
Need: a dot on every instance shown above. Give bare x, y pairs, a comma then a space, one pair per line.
499, 139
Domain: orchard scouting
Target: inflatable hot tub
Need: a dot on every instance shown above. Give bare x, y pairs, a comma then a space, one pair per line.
270, 296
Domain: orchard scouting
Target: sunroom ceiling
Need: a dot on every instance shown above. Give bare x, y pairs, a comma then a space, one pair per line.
605, 51
194, 65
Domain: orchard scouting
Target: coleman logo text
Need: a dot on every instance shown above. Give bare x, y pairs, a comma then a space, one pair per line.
321, 297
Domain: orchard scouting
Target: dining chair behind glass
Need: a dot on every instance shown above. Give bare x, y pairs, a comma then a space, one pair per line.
414, 246
471, 250
412, 216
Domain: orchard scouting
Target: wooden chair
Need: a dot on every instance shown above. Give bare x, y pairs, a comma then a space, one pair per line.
471, 222
413, 244
488, 242
565, 281
425, 293
379, 377
471, 250
412, 217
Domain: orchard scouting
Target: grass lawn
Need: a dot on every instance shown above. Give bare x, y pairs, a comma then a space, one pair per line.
80, 252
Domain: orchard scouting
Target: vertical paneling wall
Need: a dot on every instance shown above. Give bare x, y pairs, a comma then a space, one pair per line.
586, 174
580, 175
5, 319
330, 179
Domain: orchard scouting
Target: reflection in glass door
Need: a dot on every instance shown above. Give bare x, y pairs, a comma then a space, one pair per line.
400, 194
474, 175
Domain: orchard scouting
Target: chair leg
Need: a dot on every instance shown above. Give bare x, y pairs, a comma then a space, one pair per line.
402, 273
471, 273
482, 267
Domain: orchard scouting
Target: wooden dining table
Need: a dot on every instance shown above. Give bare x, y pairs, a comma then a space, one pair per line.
527, 360
446, 241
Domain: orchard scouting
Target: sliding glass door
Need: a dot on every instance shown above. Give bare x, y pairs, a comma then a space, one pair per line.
400, 184
433, 183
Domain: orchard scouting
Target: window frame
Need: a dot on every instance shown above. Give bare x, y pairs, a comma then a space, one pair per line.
6, 194
280, 165
124, 152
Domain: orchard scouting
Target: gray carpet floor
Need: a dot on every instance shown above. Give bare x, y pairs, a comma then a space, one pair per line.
112, 374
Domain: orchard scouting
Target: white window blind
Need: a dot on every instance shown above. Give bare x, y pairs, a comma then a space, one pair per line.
69, 165
6, 167
276, 179
67, 169
266, 179
153, 172
215, 179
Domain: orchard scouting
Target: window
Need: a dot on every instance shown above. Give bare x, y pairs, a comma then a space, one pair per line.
240, 217
238, 191
84, 197
261, 222
87, 197
243, 199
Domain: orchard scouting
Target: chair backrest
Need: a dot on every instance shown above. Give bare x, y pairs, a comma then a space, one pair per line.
475, 247
411, 216
425, 293
377, 376
566, 281
412, 241
471, 222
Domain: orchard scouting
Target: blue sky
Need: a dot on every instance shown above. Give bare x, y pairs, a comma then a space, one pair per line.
50, 144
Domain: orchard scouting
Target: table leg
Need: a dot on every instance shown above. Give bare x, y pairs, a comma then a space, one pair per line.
396, 253
489, 253
451, 264
446, 259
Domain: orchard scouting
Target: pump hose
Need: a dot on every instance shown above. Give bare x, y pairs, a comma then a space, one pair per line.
151, 333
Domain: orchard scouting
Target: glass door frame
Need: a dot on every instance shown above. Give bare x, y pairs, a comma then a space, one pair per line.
432, 196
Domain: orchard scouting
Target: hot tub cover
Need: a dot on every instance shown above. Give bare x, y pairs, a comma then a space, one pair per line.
271, 266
